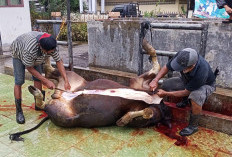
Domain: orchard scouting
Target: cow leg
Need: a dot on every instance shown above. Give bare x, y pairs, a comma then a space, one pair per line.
56, 94
50, 72
146, 113
151, 51
142, 82
38, 97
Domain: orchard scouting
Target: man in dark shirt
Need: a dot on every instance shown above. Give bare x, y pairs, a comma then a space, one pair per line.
197, 82
227, 4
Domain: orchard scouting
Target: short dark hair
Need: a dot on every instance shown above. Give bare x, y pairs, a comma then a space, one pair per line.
48, 42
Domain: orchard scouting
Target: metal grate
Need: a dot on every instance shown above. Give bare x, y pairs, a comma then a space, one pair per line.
140, 2
183, 1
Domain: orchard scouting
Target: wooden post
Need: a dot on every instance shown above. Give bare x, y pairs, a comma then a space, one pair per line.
56, 27
69, 37
1, 52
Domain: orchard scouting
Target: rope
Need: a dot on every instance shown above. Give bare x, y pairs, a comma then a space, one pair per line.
61, 27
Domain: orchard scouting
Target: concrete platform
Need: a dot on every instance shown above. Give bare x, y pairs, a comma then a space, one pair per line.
52, 141
217, 114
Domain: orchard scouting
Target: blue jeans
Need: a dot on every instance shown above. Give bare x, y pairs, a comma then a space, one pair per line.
19, 71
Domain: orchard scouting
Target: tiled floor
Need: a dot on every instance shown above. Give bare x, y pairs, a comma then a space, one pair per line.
50, 140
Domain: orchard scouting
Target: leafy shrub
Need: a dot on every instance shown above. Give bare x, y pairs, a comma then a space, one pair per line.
79, 32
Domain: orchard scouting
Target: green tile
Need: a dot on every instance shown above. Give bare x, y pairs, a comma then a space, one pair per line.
28, 138
74, 152
145, 144
207, 139
15, 154
72, 135
29, 114
51, 140
122, 133
99, 144
4, 120
8, 113
44, 147
221, 154
188, 151
4, 150
5, 129
16, 145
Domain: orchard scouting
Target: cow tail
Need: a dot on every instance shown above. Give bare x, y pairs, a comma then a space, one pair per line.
16, 136
216, 72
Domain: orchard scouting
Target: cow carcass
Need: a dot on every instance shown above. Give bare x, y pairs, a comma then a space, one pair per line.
103, 102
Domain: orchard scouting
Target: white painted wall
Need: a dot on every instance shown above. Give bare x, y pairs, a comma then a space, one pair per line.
14, 21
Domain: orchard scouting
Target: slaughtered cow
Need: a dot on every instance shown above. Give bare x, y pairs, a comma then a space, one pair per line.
102, 102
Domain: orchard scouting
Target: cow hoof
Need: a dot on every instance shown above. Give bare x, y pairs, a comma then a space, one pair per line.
124, 120
148, 113
55, 96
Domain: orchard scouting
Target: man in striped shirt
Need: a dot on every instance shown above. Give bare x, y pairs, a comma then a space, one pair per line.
29, 51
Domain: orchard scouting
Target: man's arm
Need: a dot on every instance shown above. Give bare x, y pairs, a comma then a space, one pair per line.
228, 9
45, 81
154, 83
61, 69
180, 93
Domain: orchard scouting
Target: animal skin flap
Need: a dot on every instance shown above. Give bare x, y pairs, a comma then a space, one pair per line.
120, 92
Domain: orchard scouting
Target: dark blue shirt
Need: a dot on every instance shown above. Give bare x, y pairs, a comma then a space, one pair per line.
201, 74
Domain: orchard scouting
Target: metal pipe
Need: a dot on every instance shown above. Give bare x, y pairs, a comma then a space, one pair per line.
81, 6
94, 6
170, 73
140, 57
177, 26
187, 12
1, 52
163, 53
102, 6
55, 21
69, 37
90, 6
62, 43
48, 21
204, 35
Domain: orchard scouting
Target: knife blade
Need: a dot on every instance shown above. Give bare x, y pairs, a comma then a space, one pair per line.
63, 90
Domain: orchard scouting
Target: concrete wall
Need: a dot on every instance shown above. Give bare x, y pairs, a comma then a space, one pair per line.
14, 22
115, 45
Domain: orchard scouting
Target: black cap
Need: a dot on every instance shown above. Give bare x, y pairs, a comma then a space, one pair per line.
47, 42
184, 59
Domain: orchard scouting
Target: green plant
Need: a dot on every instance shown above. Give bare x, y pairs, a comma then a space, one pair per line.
37, 15
149, 14
146, 14
79, 32
183, 10
59, 5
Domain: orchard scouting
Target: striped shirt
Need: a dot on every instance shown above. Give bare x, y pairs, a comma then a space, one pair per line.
26, 48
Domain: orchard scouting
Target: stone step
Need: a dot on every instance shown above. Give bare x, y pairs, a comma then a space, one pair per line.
219, 102
211, 120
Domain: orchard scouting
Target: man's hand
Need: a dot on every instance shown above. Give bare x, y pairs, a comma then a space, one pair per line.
228, 9
161, 93
49, 84
67, 85
153, 85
